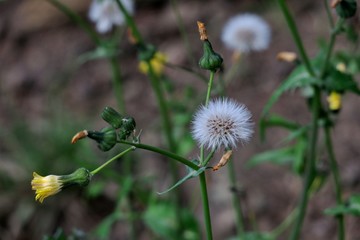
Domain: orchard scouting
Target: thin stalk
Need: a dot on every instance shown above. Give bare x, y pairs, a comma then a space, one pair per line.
163, 152
77, 19
239, 217
328, 13
183, 34
310, 165
284, 225
334, 33
295, 34
205, 204
95, 171
117, 83
336, 175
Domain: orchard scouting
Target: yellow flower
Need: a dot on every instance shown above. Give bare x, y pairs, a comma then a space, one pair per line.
334, 100
157, 63
46, 186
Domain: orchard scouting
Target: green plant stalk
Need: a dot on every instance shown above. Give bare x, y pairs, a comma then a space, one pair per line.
310, 165
206, 208
95, 171
328, 13
117, 83
208, 93
334, 33
77, 19
183, 34
239, 217
295, 34
163, 152
284, 225
336, 175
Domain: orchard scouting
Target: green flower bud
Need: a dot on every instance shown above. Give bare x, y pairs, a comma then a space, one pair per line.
80, 177
106, 138
128, 127
346, 8
146, 53
112, 117
210, 60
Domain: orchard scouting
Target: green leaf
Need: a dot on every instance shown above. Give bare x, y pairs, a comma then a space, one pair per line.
191, 174
351, 207
298, 78
100, 52
275, 121
161, 218
253, 236
299, 154
278, 156
340, 82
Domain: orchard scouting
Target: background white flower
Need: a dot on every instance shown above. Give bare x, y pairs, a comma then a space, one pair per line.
246, 32
106, 13
223, 123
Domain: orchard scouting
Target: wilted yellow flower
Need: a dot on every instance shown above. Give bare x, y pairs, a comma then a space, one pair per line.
45, 186
334, 100
157, 63
341, 67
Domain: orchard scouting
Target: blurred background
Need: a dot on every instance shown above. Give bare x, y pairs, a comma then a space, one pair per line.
48, 93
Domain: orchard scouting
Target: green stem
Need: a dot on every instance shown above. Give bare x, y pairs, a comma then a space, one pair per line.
334, 33
236, 200
284, 225
328, 13
310, 165
336, 175
295, 34
77, 19
184, 36
117, 83
205, 204
163, 152
112, 159
130, 22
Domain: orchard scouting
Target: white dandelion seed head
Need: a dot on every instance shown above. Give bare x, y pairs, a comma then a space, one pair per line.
106, 13
246, 32
223, 123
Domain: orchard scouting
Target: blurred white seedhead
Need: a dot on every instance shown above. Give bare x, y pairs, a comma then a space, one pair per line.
246, 32
106, 13
223, 123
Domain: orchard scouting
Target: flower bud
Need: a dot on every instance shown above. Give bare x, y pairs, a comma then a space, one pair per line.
210, 60
52, 184
346, 8
334, 101
128, 127
112, 117
106, 138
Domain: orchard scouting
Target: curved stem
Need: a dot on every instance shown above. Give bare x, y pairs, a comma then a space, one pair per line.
284, 225
163, 152
208, 93
310, 165
95, 171
336, 175
328, 13
205, 205
294, 32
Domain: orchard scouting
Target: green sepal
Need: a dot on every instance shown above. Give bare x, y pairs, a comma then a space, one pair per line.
80, 177
112, 117
106, 138
346, 8
210, 60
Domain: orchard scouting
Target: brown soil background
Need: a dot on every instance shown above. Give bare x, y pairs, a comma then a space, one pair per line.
38, 48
